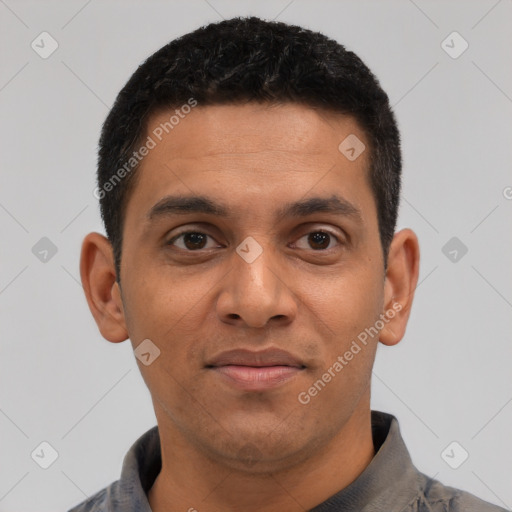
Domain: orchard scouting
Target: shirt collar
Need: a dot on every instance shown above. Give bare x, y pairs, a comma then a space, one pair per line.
389, 482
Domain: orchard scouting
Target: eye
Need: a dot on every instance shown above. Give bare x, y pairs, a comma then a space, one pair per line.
192, 240
319, 240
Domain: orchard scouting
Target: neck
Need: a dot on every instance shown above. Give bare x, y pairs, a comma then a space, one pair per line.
191, 481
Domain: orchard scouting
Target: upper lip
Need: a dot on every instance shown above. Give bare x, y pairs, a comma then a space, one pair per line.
268, 357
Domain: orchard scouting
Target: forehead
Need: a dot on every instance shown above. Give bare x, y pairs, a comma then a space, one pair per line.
255, 155
253, 127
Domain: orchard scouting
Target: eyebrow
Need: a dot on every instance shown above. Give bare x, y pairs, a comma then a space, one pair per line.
182, 205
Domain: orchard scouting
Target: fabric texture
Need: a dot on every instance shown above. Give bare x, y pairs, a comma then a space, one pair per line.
390, 483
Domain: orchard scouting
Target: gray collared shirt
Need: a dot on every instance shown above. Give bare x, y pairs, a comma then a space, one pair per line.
390, 483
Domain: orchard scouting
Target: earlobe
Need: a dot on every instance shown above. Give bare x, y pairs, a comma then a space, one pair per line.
400, 285
97, 272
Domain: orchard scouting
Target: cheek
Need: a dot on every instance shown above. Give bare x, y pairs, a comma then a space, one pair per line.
350, 308
162, 303
345, 303
171, 311
358, 314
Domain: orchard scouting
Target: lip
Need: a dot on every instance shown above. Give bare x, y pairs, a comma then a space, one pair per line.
256, 371
268, 357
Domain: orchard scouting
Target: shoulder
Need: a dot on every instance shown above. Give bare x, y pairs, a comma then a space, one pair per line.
141, 464
95, 503
436, 497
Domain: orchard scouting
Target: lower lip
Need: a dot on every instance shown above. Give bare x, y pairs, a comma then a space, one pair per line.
251, 378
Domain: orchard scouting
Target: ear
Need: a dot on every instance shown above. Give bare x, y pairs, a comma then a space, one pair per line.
97, 271
400, 285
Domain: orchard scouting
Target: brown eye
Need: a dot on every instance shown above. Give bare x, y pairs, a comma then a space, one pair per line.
319, 240
192, 240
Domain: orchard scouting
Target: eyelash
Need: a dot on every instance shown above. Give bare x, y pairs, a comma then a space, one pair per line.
177, 236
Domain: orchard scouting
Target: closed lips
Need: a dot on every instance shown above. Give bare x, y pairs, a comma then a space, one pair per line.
264, 358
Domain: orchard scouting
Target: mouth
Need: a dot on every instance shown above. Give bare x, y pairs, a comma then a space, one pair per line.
256, 371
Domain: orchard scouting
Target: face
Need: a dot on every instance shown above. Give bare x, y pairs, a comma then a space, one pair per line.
258, 294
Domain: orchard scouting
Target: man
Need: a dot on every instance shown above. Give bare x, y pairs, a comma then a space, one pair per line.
249, 179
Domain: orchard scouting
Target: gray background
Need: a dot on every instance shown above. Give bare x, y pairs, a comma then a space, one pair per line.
448, 380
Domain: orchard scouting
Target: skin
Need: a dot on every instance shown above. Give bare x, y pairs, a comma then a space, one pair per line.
224, 448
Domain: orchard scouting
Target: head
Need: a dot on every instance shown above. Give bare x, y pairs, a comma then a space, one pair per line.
238, 61
260, 215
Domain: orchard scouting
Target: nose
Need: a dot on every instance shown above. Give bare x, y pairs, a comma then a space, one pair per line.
256, 292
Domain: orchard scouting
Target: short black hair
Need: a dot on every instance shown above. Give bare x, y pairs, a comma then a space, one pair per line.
248, 60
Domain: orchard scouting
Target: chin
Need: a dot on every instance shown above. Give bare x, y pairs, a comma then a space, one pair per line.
260, 452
